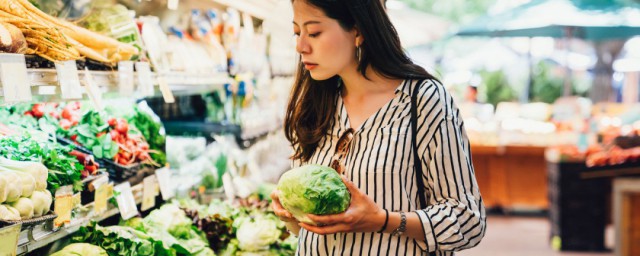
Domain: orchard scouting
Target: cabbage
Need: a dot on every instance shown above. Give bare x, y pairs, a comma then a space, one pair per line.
81, 249
4, 188
255, 234
24, 206
9, 213
14, 188
41, 202
313, 189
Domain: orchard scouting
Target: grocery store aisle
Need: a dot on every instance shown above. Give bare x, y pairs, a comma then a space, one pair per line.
521, 236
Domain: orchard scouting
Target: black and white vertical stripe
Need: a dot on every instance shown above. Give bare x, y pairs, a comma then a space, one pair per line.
380, 163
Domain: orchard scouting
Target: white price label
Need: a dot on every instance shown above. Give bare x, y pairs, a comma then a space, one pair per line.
103, 191
167, 188
14, 78
125, 78
145, 81
173, 4
126, 202
9, 239
63, 205
69, 80
149, 187
95, 94
167, 94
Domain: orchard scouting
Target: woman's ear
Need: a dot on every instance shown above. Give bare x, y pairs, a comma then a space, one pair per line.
359, 38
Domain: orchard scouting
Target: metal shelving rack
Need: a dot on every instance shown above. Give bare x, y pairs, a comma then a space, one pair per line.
41, 235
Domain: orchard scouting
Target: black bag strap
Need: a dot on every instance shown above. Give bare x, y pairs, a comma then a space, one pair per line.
417, 165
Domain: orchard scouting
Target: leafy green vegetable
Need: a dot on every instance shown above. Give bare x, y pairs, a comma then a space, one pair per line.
81, 249
151, 131
118, 240
313, 189
64, 169
257, 233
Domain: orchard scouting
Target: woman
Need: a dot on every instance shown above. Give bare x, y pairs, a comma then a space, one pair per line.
351, 108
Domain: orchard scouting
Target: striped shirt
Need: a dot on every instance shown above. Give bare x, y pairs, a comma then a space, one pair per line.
380, 162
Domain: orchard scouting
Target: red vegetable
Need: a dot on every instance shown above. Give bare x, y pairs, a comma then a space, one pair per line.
91, 169
114, 135
65, 124
66, 113
112, 121
100, 134
74, 137
37, 110
122, 126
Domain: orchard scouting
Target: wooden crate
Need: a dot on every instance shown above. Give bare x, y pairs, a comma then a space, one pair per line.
511, 177
626, 214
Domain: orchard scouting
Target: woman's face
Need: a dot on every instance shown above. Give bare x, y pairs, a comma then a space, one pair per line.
325, 47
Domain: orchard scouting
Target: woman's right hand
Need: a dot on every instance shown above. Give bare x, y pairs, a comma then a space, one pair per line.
280, 211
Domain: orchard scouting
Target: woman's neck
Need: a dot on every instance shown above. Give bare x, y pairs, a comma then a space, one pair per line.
357, 86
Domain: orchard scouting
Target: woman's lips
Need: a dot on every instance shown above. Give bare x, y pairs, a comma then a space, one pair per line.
310, 66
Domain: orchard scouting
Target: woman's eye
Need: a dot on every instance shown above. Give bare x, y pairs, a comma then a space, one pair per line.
296, 34
314, 35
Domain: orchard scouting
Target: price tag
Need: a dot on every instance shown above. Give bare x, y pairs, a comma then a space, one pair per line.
69, 80
9, 239
166, 186
173, 4
63, 205
149, 188
145, 82
103, 191
125, 77
167, 94
13, 77
126, 202
93, 90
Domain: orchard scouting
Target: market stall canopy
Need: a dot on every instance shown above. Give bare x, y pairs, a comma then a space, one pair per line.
594, 20
416, 27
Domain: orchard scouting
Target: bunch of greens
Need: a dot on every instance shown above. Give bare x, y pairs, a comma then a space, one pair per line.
242, 228
118, 240
92, 133
150, 129
174, 229
143, 123
64, 169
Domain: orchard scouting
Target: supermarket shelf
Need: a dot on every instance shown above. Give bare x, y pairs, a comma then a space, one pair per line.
44, 83
200, 128
42, 235
208, 130
259, 9
621, 170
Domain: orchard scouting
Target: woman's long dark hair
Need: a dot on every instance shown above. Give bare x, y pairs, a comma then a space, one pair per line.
311, 105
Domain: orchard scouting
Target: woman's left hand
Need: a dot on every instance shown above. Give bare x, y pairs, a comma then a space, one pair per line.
363, 215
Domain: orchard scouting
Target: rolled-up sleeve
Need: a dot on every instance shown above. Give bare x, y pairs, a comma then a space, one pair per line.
455, 218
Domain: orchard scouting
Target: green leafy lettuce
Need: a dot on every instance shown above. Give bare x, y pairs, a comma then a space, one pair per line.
313, 189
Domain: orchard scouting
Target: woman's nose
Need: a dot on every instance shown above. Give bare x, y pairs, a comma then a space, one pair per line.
302, 46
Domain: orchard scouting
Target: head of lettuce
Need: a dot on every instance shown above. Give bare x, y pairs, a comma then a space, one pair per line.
313, 189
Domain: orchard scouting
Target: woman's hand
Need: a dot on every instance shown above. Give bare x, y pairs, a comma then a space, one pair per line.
363, 215
280, 211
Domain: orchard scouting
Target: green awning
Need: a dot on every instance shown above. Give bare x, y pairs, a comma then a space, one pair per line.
594, 20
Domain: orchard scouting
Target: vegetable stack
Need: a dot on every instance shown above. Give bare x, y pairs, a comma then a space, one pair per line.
23, 190
59, 40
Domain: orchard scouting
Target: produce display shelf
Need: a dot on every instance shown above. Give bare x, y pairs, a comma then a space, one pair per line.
44, 83
208, 130
612, 171
198, 128
42, 235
